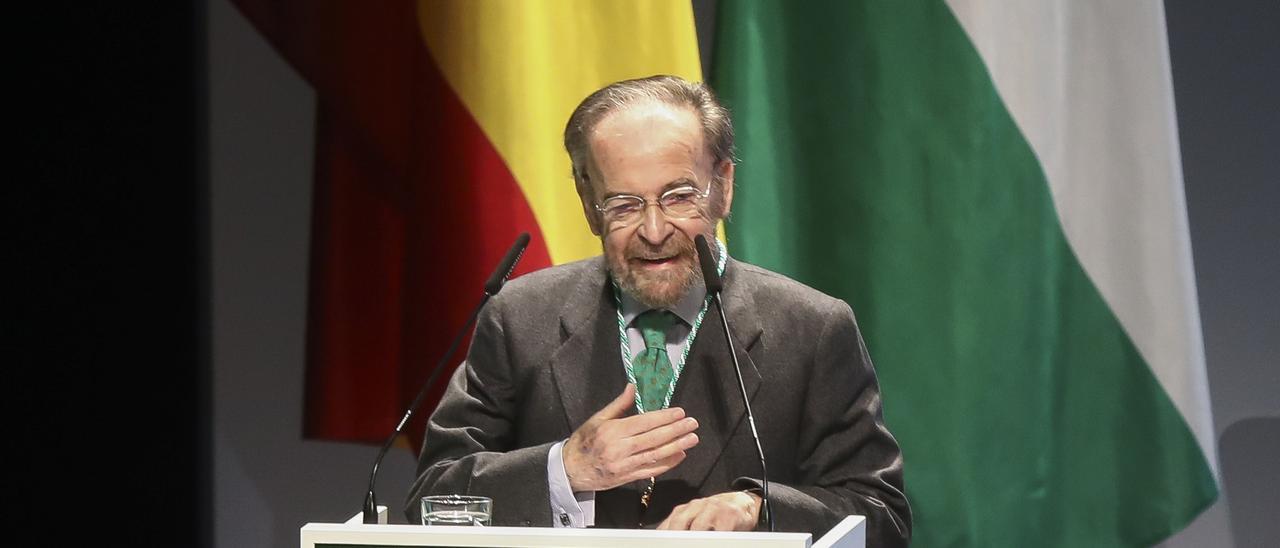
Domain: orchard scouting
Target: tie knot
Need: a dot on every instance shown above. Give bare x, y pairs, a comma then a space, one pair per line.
653, 326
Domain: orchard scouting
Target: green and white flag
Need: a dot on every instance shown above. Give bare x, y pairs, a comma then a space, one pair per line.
995, 187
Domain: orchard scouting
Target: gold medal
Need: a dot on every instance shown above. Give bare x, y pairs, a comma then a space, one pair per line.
645, 496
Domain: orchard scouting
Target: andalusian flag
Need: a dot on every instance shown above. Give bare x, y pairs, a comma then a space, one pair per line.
438, 141
995, 187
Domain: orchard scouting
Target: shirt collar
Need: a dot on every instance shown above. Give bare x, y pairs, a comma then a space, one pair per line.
686, 309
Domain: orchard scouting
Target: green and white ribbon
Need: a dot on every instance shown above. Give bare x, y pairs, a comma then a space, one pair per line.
678, 365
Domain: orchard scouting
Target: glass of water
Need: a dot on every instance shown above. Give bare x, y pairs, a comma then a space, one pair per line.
457, 510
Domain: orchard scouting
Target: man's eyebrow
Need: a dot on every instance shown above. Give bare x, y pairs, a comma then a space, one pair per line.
611, 195
681, 182
678, 183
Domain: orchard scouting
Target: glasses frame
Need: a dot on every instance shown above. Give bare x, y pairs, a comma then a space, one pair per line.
699, 197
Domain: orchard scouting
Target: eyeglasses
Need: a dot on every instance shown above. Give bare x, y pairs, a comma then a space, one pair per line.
678, 203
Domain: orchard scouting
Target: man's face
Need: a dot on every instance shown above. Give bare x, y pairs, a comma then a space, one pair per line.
645, 150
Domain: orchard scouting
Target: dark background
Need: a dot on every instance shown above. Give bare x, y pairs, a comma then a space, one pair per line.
110, 388
114, 387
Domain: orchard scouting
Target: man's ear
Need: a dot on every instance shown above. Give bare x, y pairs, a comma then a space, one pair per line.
724, 172
583, 186
593, 216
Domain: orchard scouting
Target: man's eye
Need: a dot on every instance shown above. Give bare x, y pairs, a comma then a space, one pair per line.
621, 207
680, 197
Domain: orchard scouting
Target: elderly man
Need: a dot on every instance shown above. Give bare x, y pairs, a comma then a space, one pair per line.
594, 394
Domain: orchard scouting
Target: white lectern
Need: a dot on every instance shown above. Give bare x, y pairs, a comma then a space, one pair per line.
850, 533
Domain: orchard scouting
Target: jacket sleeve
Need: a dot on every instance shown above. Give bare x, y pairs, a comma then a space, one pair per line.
470, 446
849, 463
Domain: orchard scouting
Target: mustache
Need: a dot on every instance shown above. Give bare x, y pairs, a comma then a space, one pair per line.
673, 247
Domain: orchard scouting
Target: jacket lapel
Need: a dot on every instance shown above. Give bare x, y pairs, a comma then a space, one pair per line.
588, 374
708, 387
588, 366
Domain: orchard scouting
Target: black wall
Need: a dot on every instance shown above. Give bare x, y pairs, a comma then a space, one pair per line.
111, 231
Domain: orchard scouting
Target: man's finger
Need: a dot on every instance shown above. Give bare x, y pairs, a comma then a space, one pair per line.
662, 435
705, 520
645, 422
727, 521
656, 468
680, 517
645, 458
619, 406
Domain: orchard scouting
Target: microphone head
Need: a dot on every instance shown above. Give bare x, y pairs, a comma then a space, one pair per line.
707, 260
508, 264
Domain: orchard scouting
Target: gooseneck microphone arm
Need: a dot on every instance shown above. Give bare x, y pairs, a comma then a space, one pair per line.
715, 284
491, 288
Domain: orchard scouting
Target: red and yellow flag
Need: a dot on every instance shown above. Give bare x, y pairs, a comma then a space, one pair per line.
438, 140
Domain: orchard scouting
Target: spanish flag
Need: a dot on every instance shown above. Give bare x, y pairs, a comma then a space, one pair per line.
438, 140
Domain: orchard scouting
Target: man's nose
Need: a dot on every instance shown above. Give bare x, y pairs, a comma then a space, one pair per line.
654, 227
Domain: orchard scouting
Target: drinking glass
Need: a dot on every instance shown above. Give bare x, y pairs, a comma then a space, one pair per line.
457, 510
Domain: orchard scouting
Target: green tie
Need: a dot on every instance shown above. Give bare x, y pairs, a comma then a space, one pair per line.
652, 367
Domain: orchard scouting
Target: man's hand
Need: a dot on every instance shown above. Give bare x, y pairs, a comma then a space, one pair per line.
609, 450
735, 511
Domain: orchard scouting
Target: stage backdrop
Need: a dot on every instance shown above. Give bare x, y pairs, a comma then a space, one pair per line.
994, 188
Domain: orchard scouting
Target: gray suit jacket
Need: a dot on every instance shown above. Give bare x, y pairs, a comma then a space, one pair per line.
545, 357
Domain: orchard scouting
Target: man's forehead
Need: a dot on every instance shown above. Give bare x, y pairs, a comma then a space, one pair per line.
645, 149
646, 115
645, 131
651, 178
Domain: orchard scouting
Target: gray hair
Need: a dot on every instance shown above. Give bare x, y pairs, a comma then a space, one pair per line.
717, 127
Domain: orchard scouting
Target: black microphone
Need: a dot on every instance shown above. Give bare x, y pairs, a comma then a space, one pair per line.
711, 278
491, 288
706, 259
500, 274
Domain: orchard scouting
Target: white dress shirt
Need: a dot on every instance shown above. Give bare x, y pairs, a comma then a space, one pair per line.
570, 509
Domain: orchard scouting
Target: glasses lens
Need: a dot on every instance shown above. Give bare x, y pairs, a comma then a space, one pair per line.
622, 209
681, 203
